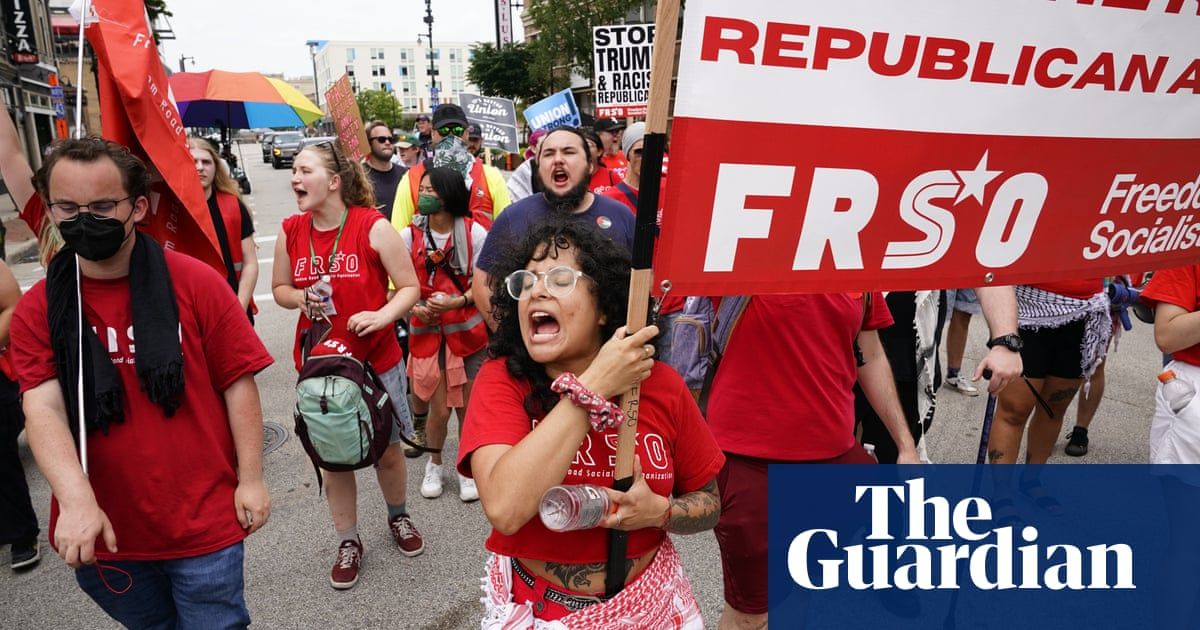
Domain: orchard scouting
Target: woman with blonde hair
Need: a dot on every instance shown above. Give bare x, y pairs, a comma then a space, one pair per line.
231, 220
338, 237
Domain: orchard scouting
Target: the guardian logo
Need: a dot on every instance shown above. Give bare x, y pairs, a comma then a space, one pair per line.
943, 546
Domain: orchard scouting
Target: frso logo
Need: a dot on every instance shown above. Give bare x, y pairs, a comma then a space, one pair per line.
842, 202
911, 562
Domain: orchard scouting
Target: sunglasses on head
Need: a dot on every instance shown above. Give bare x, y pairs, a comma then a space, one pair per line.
384, 139
333, 150
452, 130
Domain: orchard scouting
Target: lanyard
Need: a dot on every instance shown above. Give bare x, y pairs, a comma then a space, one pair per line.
336, 239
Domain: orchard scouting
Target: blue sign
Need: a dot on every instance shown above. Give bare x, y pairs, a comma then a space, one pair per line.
56, 92
60, 110
946, 546
555, 110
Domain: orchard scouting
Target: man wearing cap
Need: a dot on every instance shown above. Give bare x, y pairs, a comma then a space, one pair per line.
425, 134
382, 173
475, 141
610, 130
408, 150
489, 194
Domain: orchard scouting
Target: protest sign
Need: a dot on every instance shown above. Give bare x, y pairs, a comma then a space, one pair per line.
555, 110
496, 117
347, 121
933, 143
622, 54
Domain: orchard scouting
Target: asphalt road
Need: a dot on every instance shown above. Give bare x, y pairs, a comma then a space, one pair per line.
288, 562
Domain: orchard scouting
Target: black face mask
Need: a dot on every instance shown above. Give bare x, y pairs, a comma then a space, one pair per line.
92, 237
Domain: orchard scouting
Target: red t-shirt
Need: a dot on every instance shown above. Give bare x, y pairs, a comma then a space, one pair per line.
1078, 289
1179, 286
602, 180
616, 162
166, 484
360, 283
676, 450
34, 213
784, 389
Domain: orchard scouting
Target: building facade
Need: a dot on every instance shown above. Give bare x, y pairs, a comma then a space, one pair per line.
402, 68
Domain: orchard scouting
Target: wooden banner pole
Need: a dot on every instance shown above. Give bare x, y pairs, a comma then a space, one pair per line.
666, 28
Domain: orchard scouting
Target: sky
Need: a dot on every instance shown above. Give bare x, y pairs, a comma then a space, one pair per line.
268, 35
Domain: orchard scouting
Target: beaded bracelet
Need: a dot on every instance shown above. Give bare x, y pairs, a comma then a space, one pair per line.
602, 414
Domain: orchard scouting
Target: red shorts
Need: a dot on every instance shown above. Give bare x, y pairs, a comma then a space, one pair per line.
742, 531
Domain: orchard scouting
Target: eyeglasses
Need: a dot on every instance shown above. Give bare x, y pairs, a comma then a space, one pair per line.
384, 139
105, 208
560, 281
456, 130
333, 150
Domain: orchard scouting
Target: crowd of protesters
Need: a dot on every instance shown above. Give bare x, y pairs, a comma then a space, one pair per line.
504, 303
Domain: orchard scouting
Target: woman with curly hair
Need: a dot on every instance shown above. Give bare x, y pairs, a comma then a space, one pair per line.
339, 237
542, 416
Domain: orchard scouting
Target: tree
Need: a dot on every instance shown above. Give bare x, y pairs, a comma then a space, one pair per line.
565, 36
505, 72
379, 105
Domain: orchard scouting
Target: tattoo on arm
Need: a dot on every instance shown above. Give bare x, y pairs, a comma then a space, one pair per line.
994, 455
578, 577
696, 511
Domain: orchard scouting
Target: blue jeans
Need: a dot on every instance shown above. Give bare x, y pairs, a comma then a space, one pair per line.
201, 592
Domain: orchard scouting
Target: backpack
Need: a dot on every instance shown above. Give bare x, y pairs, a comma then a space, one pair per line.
343, 414
699, 334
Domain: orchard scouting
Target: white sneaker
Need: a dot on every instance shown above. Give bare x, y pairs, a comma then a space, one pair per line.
431, 485
960, 384
467, 490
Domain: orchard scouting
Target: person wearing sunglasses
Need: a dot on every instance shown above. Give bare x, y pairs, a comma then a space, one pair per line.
339, 237
489, 193
603, 178
564, 167
542, 415
447, 335
383, 174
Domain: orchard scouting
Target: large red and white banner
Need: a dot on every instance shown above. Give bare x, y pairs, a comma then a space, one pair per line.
136, 111
903, 144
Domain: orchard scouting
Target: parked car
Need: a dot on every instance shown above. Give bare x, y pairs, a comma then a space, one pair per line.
284, 147
265, 145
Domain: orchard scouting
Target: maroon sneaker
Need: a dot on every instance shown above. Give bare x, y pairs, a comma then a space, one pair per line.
407, 537
345, 568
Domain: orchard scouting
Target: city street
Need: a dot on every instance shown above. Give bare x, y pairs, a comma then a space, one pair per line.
288, 562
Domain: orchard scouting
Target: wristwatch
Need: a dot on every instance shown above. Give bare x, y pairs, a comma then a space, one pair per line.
1011, 341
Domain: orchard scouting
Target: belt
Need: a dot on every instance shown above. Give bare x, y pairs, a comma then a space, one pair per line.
570, 601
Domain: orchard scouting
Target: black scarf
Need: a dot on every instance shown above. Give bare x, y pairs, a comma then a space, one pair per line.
155, 326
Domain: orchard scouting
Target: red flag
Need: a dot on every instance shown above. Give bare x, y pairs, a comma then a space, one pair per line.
135, 111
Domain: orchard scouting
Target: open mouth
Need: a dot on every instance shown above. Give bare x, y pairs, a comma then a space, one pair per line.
560, 176
543, 326
300, 194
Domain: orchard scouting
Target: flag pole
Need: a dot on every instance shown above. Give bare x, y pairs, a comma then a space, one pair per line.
79, 73
666, 27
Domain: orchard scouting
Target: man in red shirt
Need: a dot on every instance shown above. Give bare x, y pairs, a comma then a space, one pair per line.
167, 482
610, 130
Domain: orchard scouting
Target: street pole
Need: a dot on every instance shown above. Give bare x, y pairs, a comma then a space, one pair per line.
182, 60
433, 90
312, 52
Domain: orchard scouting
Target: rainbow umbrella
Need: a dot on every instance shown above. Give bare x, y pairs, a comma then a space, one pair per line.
240, 100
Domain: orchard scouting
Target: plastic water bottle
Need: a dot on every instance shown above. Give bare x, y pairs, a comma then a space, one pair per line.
568, 508
1177, 392
324, 290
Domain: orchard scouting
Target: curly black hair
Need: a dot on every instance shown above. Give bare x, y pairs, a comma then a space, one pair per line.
605, 262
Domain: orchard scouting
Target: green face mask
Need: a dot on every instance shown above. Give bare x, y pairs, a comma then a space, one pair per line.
428, 204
